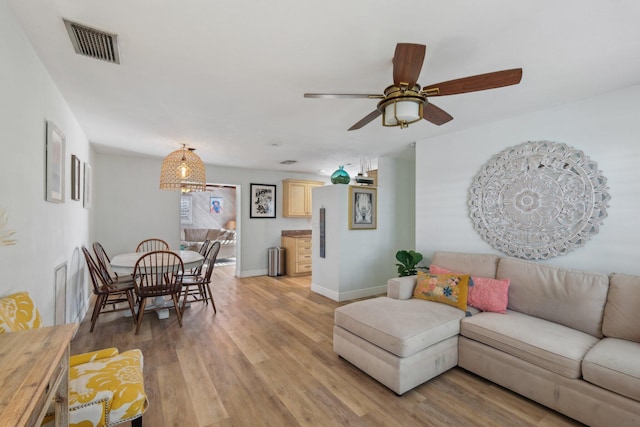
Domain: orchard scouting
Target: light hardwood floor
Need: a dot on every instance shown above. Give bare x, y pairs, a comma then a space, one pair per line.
266, 359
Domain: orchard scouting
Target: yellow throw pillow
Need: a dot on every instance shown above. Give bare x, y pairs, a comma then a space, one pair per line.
449, 289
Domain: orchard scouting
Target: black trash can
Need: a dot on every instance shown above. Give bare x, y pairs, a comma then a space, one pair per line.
276, 261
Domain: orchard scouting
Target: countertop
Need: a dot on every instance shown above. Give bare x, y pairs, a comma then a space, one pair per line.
296, 233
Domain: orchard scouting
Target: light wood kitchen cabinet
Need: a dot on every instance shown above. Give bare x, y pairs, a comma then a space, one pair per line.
296, 201
298, 255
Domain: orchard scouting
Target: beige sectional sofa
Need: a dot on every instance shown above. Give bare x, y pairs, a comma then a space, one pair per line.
569, 340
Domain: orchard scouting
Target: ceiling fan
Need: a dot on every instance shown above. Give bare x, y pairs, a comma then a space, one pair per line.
404, 102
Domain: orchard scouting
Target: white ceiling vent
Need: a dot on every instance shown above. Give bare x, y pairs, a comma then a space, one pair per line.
92, 42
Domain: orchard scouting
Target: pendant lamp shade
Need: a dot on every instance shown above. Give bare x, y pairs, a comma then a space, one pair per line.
183, 170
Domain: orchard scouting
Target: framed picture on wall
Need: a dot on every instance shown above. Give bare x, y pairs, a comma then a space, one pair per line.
88, 182
363, 205
60, 290
55, 164
75, 177
263, 201
215, 204
186, 215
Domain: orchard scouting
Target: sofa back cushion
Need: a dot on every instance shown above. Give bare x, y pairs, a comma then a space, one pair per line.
571, 298
622, 312
18, 313
483, 265
216, 234
195, 234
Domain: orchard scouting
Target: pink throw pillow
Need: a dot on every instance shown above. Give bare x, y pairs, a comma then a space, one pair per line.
485, 294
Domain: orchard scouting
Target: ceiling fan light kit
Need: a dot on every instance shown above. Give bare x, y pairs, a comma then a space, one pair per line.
404, 102
401, 107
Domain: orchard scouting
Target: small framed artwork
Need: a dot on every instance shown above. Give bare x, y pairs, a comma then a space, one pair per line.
55, 164
88, 182
186, 216
263, 201
363, 205
60, 288
75, 177
215, 204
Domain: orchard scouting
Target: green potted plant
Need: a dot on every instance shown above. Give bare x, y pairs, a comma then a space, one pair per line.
408, 262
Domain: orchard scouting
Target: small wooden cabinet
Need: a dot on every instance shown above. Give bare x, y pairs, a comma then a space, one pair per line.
298, 255
35, 371
296, 199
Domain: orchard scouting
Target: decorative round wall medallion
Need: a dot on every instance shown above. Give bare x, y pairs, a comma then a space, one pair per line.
538, 200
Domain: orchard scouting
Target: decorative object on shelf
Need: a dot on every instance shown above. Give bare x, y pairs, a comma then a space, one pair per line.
55, 164
363, 180
362, 208
340, 176
538, 200
363, 177
5, 235
183, 170
230, 225
75, 177
263, 201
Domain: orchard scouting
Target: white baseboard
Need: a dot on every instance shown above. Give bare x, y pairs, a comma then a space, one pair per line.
349, 295
251, 273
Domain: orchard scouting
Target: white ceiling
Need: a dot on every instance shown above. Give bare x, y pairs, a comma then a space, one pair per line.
228, 77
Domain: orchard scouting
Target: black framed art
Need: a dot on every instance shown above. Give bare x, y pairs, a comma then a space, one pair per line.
263, 201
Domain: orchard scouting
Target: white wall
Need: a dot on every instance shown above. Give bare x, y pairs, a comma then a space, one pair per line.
358, 263
47, 234
606, 128
130, 207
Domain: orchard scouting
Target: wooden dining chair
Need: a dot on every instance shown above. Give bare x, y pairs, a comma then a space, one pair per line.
198, 287
150, 245
104, 263
204, 249
157, 274
107, 293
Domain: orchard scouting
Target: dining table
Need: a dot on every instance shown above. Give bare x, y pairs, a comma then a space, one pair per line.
125, 264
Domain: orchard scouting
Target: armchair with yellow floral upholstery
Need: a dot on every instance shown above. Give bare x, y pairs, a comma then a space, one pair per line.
106, 387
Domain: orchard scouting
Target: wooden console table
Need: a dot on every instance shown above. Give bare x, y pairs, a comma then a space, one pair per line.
34, 369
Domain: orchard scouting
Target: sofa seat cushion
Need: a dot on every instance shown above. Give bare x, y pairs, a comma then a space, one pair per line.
613, 364
545, 344
401, 327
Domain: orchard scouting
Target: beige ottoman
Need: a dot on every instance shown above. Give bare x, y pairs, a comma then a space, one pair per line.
400, 343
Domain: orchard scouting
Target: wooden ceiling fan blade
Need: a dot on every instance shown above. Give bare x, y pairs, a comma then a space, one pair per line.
343, 95
435, 115
475, 83
407, 63
366, 119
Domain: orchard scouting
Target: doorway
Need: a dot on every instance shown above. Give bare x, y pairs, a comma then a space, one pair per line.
212, 215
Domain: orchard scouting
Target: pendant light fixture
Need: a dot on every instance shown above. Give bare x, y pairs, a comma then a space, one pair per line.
183, 170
